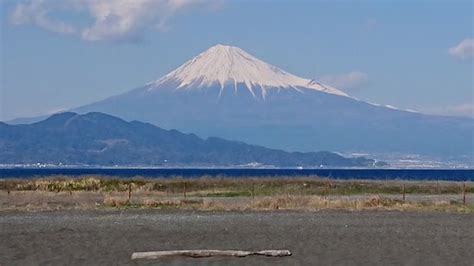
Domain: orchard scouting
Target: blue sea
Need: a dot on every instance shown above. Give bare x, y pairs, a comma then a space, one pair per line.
363, 174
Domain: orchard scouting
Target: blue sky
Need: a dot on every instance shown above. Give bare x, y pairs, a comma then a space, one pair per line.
61, 54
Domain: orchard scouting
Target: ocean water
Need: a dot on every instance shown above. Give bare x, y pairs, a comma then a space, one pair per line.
369, 174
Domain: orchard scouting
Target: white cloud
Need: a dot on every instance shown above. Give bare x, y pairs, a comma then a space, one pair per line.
37, 13
465, 109
349, 81
464, 50
112, 19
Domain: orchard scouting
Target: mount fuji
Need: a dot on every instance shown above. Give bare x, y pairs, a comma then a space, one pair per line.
226, 92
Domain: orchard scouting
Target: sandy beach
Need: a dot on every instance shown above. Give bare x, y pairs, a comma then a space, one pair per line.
109, 237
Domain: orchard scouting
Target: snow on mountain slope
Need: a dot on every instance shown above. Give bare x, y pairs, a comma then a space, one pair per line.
227, 65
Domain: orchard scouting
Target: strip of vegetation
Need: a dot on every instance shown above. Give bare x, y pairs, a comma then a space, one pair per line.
307, 203
206, 193
240, 187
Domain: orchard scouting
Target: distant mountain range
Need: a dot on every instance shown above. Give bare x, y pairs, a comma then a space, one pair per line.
100, 139
228, 93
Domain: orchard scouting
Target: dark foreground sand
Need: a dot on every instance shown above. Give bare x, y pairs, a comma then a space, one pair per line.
315, 238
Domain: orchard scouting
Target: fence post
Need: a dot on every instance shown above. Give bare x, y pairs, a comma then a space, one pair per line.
129, 191
404, 192
253, 190
464, 193
184, 189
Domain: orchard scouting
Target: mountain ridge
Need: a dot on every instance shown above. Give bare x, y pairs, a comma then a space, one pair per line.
100, 139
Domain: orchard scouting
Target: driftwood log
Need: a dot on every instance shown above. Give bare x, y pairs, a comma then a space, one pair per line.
200, 253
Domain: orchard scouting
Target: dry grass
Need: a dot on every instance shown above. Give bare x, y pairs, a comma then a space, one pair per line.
314, 203
235, 187
40, 200
231, 194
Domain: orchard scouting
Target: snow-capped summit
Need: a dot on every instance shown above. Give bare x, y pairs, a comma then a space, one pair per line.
231, 66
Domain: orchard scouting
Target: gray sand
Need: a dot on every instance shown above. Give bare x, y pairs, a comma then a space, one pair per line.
315, 238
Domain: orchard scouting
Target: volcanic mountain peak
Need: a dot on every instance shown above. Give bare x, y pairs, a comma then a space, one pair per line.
227, 65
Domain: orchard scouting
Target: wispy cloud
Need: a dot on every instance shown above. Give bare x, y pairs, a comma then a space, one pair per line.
348, 81
465, 109
37, 13
464, 50
112, 19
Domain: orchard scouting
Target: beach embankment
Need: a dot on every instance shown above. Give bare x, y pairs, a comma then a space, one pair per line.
231, 194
